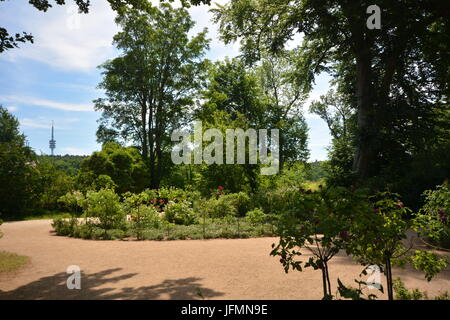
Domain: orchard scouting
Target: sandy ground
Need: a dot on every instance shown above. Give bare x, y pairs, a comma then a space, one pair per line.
221, 269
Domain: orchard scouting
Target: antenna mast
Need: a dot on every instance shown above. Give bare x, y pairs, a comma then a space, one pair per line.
52, 142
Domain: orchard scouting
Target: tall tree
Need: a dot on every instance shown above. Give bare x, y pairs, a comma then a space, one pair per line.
336, 39
124, 165
332, 108
17, 171
232, 99
150, 86
284, 97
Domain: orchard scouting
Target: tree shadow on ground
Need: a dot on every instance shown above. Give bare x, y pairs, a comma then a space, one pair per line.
93, 287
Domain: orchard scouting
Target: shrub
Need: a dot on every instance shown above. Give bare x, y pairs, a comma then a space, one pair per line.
64, 227
72, 201
256, 216
105, 206
285, 200
402, 293
104, 181
180, 213
220, 208
327, 227
173, 194
147, 216
240, 200
432, 221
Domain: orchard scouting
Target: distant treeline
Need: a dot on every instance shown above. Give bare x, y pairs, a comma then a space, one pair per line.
69, 164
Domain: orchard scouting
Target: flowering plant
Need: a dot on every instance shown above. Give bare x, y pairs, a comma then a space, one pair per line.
432, 221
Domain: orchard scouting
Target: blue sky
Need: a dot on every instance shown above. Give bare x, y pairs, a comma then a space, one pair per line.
56, 77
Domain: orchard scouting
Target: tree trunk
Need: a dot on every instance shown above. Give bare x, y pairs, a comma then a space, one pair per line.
389, 279
365, 120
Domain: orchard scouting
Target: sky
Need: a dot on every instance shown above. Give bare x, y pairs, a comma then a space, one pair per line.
56, 78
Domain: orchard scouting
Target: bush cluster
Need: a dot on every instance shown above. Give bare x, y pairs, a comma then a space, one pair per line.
160, 214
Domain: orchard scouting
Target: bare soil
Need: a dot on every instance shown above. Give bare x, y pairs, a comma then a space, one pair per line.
220, 269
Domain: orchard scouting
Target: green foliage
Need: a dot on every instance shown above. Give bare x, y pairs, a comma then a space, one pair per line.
223, 206
401, 134
370, 228
64, 227
240, 200
348, 292
340, 166
325, 231
402, 293
170, 62
255, 216
180, 213
17, 169
104, 181
50, 184
72, 201
141, 215
218, 228
174, 194
429, 263
68, 164
432, 221
380, 229
293, 174
114, 166
105, 206
284, 97
233, 177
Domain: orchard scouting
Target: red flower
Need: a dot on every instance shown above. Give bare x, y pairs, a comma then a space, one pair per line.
344, 235
220, 187
161, 201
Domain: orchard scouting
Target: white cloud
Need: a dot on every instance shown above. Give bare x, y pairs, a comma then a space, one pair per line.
70, 41
309, 115
61, 41
46, 123
48, 103
12, 108
34, 123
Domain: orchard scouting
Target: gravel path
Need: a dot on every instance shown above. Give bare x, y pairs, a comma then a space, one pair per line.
221, 269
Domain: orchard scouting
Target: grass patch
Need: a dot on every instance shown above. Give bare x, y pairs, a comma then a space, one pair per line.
10, 262
42, 215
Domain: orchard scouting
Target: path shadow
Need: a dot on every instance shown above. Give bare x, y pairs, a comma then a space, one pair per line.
93, 288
